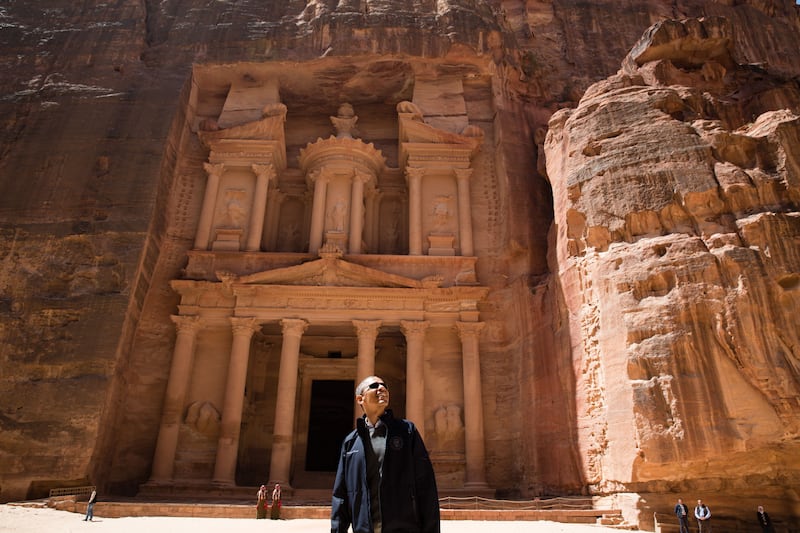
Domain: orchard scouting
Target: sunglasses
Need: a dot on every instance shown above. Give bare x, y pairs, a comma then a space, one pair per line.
375, 384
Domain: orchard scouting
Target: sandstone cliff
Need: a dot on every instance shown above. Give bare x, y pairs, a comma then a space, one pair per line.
648, 302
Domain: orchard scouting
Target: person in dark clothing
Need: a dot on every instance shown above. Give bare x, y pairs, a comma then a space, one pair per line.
385, 481
682, 512
90, 506
764, 520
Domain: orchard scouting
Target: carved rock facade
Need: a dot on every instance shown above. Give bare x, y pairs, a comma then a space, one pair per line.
211, 192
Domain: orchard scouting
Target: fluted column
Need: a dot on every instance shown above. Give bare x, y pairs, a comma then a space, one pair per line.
174, 398
203, 234
414, 332
263, 173
469, 333
228, 443
318, 211
357, 211
367, 331
282, 434
464, 211
414, 176
373, 240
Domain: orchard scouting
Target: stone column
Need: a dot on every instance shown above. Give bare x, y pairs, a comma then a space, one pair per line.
174, 398
201, 238
283, 432
357, 211
367, 331
263, 173
228, 443
371, 222
473, 404
464, 211
414, 332
318, 211
414, 176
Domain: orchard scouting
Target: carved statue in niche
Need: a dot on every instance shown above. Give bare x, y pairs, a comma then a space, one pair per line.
441, 211
336, 215
204, 418
449, 427
289, 237
345, 122
235, 211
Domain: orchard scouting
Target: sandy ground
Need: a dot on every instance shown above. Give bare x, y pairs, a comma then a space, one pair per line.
34, 520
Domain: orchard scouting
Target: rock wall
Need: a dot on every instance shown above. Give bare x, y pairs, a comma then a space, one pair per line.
646, 302
676, 184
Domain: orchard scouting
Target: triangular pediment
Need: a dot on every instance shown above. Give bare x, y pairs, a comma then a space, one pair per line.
328, 271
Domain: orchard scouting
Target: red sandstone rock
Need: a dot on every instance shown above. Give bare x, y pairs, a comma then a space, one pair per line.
649, 340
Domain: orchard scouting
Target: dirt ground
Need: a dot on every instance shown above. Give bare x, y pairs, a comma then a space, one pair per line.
36, 520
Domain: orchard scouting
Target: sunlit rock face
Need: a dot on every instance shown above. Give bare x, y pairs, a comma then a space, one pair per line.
640, 246
676, 215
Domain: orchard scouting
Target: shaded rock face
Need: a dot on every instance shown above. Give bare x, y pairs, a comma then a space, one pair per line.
645, 306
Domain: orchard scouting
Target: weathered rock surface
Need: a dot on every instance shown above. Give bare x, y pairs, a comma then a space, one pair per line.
645, 310
677, 225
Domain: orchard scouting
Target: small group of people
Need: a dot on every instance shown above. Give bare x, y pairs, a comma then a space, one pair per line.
703, 515
262, 502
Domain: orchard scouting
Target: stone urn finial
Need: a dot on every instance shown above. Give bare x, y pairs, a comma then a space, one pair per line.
345, 122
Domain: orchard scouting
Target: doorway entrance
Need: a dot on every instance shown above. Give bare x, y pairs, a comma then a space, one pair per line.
330, 419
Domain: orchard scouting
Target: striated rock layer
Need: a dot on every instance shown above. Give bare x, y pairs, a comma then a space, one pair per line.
642, 256
675, 185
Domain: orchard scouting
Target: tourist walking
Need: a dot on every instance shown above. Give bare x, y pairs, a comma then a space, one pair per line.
385, 481
90, 506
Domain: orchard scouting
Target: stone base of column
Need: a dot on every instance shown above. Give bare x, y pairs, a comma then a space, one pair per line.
482, 491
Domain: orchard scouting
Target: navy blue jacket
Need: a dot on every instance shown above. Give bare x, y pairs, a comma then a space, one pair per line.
408, 497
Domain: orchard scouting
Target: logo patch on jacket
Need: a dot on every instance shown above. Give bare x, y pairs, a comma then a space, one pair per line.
396, 443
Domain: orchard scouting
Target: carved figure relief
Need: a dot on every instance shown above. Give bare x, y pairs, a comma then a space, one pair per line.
449, 427
204, 418
441, 211
235, 211
336, 215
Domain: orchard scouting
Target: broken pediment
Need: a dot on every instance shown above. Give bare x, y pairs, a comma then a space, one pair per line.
424, 141
327, 271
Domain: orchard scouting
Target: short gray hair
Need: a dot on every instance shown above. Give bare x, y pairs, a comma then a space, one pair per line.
364, 384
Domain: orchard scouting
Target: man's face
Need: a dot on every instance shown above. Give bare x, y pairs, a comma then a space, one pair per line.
375, 398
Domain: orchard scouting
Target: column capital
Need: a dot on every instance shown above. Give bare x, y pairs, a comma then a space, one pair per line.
186, 323
361, 176
463, 173
367, 327
293, 327
413, 328
244, 325
319, 175
264, 169
469, 329
414, 173
214, 169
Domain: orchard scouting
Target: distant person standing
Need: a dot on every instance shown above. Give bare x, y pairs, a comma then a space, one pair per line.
261, 502
90, 506
703, 515
275, 510
764, 520
682, 512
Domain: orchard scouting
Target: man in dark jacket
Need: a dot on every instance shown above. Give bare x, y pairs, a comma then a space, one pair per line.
385, 481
